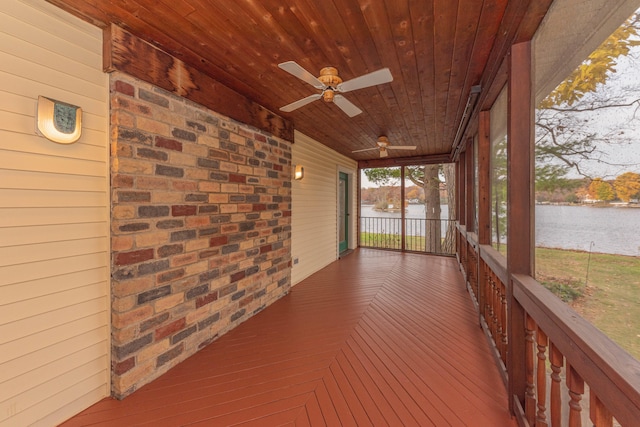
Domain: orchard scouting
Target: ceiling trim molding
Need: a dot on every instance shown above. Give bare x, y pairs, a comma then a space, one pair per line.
404, 161
123, 51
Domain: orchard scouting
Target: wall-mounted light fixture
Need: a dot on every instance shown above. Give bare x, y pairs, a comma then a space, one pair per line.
298, 172
58, 121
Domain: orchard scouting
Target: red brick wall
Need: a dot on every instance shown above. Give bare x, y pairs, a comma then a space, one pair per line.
201, 228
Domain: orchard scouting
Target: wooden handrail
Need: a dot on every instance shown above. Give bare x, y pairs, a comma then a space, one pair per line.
495, 260
611, 372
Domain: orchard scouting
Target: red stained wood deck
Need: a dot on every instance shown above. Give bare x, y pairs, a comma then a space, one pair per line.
376, 338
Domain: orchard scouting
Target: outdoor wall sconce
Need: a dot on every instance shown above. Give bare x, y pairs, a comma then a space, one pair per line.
58, 121
298, 173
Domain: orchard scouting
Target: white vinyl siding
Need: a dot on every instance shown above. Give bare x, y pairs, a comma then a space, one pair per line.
314, 241
54, 219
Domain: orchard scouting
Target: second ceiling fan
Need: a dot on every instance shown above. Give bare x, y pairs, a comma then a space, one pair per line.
383, 146
332, 86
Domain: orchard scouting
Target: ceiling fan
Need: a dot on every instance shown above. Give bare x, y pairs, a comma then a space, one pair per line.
383, 146
332, 85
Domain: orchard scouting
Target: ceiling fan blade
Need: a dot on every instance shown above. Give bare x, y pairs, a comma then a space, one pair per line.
384, 153
300, 103
296, 70
365, 149
345, 105
401, 147
370, 79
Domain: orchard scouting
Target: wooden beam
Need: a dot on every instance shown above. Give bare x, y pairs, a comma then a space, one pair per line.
471, 187
462, 188
404, 161
129, 54
520, 206
484, 179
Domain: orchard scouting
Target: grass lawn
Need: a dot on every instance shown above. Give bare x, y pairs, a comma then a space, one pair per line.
609, 297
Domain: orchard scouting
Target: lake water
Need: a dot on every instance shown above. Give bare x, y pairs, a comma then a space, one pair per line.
613, 230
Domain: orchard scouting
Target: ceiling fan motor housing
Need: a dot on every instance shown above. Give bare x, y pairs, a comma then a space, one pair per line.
329, 77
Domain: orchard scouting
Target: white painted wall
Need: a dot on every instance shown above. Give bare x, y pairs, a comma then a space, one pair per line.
54, 219
315, 206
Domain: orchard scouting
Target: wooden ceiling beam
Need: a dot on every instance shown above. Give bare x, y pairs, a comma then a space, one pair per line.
404, 161
129, 54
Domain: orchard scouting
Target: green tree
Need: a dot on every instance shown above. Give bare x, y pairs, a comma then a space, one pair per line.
627, 186
600, 189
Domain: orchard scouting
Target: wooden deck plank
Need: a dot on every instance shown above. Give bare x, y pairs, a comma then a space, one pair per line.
376, 338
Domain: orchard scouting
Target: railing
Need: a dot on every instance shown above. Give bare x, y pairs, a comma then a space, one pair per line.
573, 374
421, 235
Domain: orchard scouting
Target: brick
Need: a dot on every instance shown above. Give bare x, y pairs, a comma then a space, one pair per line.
134, 166
133, 346
218, 241
148, 153
184, 185
185, 259
170, 223
170, 329
228, 290
152, 183
123, 212
121, 243
153, 322
196, 126
124, 366
153, 98
169, 171
183, 134
124, 88
196, 197
153, 267
152, 126
133, 135
177, 236
123, 181
209, 275
169, 144
153, 211
166, 197
134, 257
171, 275
207, 163
238, 314
184, 210
168, 302
197, 291
207, 299
133, 196
168, 250
154, 294
197, 221
209, 187
181, 336
230, 248
168, 356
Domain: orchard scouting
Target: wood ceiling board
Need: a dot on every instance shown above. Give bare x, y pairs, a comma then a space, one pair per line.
436, 50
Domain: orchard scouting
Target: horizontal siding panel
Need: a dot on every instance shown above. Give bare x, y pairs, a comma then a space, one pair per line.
50, 198
47, 303
48, 318
51, 233
44, 74
38, 270
49, 285
21, 384
25, 345
24, 124
65, 380
13, 160
82, 37
22, 86
25, 180
43, 356
61, 407
23, 254
21, 217
52, 56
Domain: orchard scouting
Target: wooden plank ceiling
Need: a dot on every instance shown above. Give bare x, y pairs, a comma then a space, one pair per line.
436, 51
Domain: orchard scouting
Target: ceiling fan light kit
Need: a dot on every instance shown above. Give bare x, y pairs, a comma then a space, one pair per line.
332, 86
